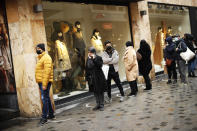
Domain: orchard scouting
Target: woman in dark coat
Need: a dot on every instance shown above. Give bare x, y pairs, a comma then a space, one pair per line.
145, 64
95, 77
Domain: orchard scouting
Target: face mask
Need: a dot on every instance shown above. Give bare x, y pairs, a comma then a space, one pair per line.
108, 48
38, 52
176, 39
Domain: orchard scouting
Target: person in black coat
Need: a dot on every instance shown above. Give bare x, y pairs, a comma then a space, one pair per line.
95, 77
145, 64
188, 38
170, 57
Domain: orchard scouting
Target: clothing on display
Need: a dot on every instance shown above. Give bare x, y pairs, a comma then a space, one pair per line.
97, 44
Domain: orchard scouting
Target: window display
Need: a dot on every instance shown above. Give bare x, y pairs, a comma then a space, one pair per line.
7, 82
166, 20
69, 35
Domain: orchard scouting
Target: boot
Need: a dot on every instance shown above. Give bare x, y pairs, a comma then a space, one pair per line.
190, 74
193, 74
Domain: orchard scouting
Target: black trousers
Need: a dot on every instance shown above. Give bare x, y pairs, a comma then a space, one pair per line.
99, 99
133, 86
172, 71
147, 81
115, 77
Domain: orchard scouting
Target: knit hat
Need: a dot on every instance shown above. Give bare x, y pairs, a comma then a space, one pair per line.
41, 46
106, 42
92, 50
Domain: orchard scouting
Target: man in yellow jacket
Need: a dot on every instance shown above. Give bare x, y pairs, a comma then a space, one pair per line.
44, 77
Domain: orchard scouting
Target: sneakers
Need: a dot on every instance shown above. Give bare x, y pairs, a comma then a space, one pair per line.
42, 121
121, 98
101, 108
96, 108
174, 82
108, 100
132, 94
169, 82
51, 117
146, 89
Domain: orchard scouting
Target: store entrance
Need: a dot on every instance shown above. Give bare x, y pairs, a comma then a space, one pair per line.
193, 20
8, 97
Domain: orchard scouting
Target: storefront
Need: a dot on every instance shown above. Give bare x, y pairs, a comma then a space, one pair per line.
88, 25
166, 20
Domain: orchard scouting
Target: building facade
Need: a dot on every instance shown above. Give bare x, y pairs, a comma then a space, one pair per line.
25, 26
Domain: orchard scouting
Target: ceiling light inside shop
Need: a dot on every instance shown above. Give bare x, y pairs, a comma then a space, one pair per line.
181, 8
175, 8
166, 6
159, 6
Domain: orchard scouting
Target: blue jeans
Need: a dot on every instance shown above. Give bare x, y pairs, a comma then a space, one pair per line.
192, 65
47, 106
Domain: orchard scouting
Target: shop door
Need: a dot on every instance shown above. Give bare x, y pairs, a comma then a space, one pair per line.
193, 20
8, 97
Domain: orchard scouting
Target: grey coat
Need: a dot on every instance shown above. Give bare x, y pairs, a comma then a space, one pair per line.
114, 59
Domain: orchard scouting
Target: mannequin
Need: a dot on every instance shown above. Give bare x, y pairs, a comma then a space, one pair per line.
159, 46
169, 32
79, 56
62, 61
96, 42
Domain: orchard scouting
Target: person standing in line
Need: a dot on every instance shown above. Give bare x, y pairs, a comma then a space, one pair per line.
95, 77
111, 57
144, 63
170, 57
44, 78
181, 47
188, 38
131, 67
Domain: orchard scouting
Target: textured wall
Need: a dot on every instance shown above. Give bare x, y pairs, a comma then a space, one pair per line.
26, 29
177, 2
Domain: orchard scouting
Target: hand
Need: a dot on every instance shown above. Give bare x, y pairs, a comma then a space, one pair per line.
176, 49
44, 87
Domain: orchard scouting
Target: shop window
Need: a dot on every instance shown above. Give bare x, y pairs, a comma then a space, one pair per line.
7, 81
73, 25
166, 20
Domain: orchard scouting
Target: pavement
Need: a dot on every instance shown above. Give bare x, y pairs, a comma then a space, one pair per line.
164, 108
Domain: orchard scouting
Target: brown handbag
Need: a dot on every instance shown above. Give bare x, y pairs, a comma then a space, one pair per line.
168, 62
139, 56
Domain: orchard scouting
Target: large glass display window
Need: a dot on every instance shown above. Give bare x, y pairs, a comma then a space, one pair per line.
72, 28
166, 20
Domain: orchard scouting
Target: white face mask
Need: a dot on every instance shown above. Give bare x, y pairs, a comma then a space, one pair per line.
176, 39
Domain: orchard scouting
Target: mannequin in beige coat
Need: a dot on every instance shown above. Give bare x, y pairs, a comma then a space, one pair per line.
131, 67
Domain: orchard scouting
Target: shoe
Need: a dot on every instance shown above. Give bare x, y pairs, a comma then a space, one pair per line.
146, 89
193, 74
108, 100
101, 109
42, 121
190, 74
51, 117
121, 98
132, 94
169, 82
96, 108
174, 82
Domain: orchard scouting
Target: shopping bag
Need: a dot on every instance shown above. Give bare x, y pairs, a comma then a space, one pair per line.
105, 69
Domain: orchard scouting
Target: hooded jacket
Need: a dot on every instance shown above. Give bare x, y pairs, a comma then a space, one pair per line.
170, 50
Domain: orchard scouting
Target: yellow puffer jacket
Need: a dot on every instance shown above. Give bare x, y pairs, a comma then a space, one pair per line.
44, 69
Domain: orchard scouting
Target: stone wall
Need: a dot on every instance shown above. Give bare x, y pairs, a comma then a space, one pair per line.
26, 29
176, 2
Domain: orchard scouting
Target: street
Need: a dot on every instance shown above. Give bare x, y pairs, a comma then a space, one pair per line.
164, 108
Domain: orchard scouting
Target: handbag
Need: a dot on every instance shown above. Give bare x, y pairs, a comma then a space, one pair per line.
105, 69
168, 62
188, 55
139, 56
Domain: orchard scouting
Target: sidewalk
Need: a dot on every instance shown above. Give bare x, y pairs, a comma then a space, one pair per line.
165, 108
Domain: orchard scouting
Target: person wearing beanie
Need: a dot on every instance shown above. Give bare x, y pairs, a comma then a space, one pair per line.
95, 78
111, 58
44, 78
131, 67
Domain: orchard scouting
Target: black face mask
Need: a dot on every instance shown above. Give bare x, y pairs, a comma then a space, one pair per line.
108, 48
38, 52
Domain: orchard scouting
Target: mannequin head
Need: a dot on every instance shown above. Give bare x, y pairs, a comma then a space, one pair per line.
77, 24
60, 35
160, 29
169, 29
96, 32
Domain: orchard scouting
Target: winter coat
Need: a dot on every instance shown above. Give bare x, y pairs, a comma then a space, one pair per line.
95, 76
44, 69
182, 47
170, 50
145, 64
114, 59
131, 65
97, 44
